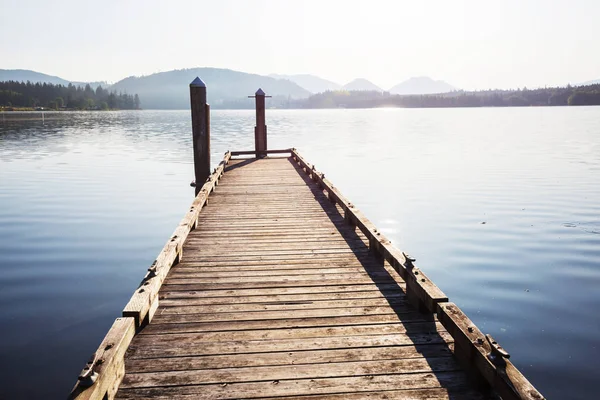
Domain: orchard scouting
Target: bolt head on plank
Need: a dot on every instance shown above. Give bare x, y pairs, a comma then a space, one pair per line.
198, 83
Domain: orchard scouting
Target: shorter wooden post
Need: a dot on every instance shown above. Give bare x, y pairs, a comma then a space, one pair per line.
200, 132
260, 130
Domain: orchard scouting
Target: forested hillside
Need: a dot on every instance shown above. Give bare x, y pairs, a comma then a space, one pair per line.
27, 94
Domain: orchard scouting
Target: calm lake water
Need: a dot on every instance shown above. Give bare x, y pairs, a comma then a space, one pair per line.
501, 208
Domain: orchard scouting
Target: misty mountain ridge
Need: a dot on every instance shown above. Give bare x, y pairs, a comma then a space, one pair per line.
312, 83
24, 75
422, 85
361, 84
169, 90
594, 82
297, 86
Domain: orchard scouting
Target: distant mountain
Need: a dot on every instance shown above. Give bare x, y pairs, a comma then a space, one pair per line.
362, 84
24, 75
312, 83
225, 87
422, 85
594, 82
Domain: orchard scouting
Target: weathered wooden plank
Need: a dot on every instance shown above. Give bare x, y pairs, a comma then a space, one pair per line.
106, 367
351, 263
288, 359
367, 383
290, 182
276, 281
199, 252
314, 371
286, 226
192, 284
290, 259
202, 238
242, 215
309, 256
200, 291
295, 269
152, 346
168, 299
258, 190
283, 198
288, 231
320, 240
299, 197
299, 280
402, 394
338, 260
238, 204
273, 270
287, 236
269, 315
265, 233
286, 275
283, 323
183, 307
208, 272
300, 333
241, 236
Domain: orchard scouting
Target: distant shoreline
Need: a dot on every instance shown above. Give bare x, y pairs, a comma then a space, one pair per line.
35, 109
32, 112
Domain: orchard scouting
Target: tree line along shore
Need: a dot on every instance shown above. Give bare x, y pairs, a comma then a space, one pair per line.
558, 96
23, 96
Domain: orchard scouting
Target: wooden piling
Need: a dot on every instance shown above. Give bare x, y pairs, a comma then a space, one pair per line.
200, 132
260, 130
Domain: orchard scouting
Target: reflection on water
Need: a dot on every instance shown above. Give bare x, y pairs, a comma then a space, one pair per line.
501, 207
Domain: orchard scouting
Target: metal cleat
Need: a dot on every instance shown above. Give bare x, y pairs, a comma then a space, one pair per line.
408, 260
87, 377
497, 353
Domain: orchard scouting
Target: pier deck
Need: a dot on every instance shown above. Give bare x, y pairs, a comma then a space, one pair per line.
277, 295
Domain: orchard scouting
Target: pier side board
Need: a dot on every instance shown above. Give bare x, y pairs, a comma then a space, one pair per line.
275, 285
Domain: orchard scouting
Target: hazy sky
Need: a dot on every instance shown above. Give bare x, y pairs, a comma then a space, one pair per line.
470, 44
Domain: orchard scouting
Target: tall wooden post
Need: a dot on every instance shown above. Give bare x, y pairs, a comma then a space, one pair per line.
260, 131
200, 132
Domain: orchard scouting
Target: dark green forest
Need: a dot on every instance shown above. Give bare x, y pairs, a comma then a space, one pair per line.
70, 97
572, 96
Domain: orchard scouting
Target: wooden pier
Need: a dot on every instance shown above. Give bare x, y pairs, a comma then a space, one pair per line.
275, 286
